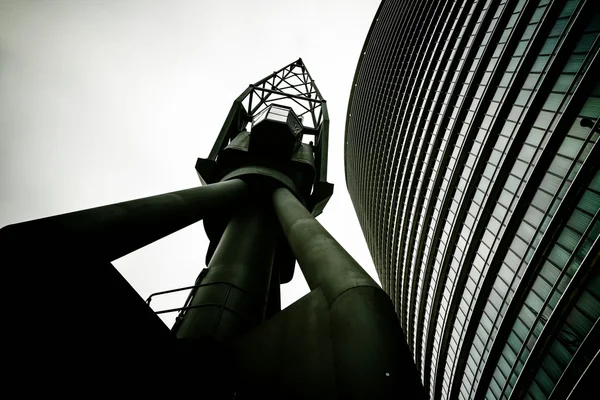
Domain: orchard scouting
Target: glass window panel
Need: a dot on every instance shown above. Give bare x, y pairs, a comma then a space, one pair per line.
506, 273
520, 48
549, 46
541, 199
563, 82
552, 367
574, 63
505, 198
520, 168
590, 304
535, 392
521, 330
560, 353
486, 323
512, 65
540, 63
544, 382
523, 97
560, 166
550, 272
585, 43
495, 388
534, 216
505, 80
570, 147
534, 301
568, 8
543, 120
551, 183
504, 366
535, 136
532, 78
529, 31
527, 152
513, 18
559, 256
579, 220
512, 259
527, 316
526, 231
569, 239
553, 101
277, 117
558, 27
591, 108
541, 287
513, 341
499, 94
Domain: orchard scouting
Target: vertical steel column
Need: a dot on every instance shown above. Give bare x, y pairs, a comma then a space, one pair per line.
234, 292
109, 232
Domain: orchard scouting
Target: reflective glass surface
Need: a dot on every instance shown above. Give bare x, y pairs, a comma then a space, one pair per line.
457, 169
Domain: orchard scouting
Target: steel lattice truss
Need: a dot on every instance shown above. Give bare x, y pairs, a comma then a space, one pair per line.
291, 86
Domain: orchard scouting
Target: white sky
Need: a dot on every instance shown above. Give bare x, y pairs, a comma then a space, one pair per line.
108, 101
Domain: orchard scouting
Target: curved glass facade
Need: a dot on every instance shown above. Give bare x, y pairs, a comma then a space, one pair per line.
472, 161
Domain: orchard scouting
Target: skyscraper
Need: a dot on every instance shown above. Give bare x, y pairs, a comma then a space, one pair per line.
472, 161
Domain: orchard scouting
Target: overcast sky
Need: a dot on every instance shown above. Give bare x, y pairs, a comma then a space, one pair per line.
108, 101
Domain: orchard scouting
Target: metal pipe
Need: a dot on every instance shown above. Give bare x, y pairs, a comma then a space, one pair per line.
241, 265
112, 231
372, 359
323, 261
